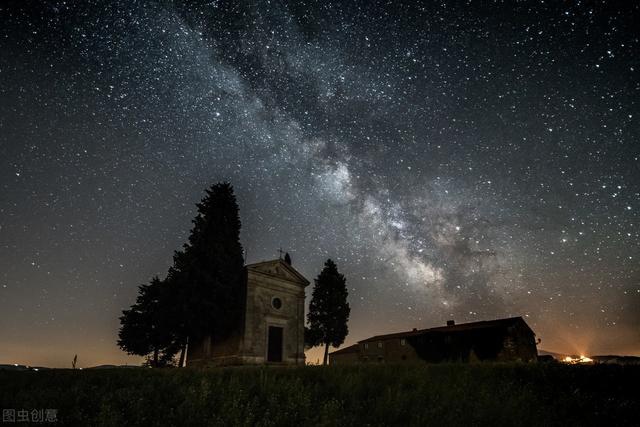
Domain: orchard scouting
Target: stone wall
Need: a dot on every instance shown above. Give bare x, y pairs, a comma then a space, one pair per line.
387, 350
519, 345
212, 351
262, 289
343, 358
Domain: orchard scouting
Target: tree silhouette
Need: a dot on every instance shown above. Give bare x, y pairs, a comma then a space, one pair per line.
176, 311
208, 275
203, 294
311, 338
328, 309
145, 328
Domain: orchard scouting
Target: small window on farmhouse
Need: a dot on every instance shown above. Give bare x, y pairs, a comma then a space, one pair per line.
276, 303
379, 344
403, 341
366, 345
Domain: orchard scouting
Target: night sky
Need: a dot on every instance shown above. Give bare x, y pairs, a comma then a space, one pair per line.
463, 161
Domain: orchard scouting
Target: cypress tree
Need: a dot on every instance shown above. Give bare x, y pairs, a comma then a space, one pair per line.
328, 309
209, 271
203, 294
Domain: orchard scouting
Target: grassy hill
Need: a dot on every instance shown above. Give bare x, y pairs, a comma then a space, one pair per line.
433, 395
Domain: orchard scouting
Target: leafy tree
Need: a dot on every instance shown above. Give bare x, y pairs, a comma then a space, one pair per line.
208, 273
145, 328
328, 309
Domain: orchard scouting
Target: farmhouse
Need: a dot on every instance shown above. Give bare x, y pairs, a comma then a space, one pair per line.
498, 340
272, 330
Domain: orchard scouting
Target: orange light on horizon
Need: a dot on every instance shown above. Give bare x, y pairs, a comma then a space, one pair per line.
576, 360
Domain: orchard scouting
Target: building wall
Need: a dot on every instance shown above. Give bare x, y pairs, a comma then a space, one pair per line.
224, 352
212, 350
389, 350
519, 345
260, 314
513, 343
343, 358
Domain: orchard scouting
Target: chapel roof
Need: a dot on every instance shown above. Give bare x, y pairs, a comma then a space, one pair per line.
268, 267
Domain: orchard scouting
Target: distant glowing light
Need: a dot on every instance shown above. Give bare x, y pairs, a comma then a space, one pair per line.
577, 360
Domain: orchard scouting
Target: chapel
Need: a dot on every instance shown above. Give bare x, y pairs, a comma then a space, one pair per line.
272, 328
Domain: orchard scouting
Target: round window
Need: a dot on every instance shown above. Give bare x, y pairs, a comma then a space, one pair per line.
276, 303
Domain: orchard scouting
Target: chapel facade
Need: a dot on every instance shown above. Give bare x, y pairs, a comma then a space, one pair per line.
272, 328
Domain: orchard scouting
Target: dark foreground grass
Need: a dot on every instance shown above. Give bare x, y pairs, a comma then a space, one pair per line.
426, 395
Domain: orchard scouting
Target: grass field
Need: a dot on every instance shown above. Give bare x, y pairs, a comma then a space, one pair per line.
428, 395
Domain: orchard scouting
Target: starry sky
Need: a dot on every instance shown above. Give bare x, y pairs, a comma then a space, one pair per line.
458, 160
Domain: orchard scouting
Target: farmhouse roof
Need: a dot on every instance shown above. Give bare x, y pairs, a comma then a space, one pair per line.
351, 349
485, 324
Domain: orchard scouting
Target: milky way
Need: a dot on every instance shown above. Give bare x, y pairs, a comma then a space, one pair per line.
465, 162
